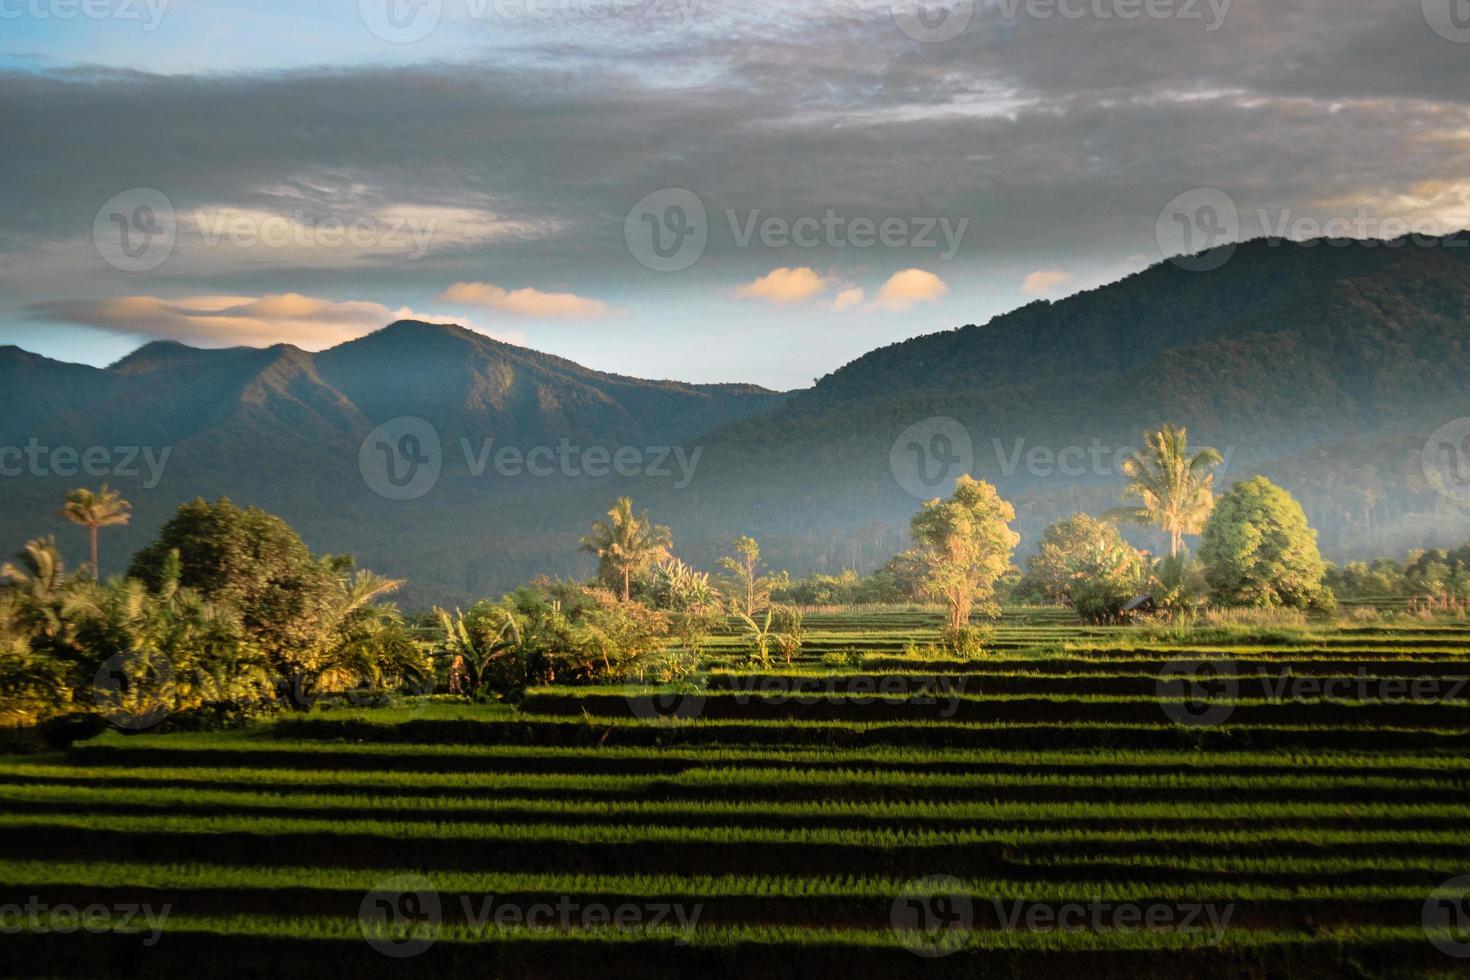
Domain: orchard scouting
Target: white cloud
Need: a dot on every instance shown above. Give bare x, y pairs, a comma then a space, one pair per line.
343, 236
226, 321
848, 299
785, 285
908, 288
523, 302
1045, 281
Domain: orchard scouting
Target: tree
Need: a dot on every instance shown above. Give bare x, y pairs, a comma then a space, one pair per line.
1173, 487
967, 543
1085, 563
368, 642
1258, 550
288, 599
105, 508
745, 587
625, 544
489, 635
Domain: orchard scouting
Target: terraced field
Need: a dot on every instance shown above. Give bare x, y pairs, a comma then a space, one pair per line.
1079, 801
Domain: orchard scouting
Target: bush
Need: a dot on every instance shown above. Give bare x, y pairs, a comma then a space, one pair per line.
1258, 550
965, 641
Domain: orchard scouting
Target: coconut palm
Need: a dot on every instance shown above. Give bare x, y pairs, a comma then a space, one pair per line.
105, 508
1174, 488
626, 543
37, 579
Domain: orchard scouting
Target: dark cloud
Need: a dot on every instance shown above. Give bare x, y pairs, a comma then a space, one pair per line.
1060, 139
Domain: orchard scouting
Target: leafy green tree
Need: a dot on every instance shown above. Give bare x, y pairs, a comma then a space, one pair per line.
1085, 563
33, 684
288, 599
900, 579
626, 544
675, 586
368, 644
1173, 487
967, 544
1258, 550
789, 631
105, 508
36, 578
485, 645
617, 637
744, 586
178, 651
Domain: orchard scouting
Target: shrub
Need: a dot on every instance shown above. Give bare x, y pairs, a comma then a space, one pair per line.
1258, 550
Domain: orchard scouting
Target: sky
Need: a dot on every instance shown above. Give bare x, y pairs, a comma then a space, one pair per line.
734, 191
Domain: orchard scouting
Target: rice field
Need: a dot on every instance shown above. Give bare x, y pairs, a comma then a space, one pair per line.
1100, 800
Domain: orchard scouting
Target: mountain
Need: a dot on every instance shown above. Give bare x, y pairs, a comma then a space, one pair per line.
282, 428
1324, 365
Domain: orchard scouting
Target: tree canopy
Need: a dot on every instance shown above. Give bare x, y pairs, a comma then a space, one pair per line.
1258, 549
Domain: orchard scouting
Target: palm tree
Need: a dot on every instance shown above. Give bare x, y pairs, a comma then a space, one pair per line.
1175, 489
105, 508
38, 581
625, 543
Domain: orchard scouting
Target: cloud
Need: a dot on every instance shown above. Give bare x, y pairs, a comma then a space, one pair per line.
227, 321
785, 285
848, 299
523, 302
908, 288
1044, 281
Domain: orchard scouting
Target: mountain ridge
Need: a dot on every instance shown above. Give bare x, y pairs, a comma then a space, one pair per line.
1322, 365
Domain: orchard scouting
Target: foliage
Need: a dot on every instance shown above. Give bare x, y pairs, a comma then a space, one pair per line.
612, 637
256, 618
625, 545
898, 580
745, 588
1258, 550
1176, 584
105, 508
1437, 573
964, 641
255, 563
821, 590
1174, 488
675, 586
788, 633
1084, 563
967, 543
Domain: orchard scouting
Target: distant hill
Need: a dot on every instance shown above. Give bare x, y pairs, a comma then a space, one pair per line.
282, 427
1325, 365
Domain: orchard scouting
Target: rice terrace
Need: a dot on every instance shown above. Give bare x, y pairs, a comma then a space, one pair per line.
1228, 801
681, 490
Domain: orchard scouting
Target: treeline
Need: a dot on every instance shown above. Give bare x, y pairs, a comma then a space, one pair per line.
1424, 574
228, 613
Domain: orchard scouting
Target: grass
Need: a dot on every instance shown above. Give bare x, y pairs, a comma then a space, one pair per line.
794, 822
